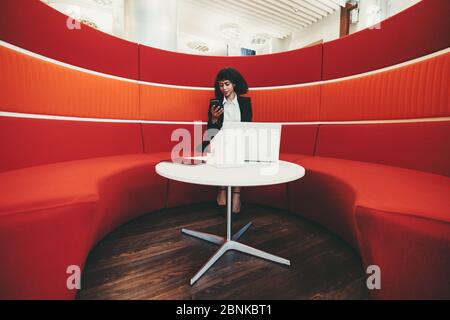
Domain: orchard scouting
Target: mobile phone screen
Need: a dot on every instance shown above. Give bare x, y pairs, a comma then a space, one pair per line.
215, 102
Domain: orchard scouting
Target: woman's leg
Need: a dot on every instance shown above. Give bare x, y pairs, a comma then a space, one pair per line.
236, 200
222, 196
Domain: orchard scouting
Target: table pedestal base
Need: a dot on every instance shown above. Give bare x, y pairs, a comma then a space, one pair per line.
231, 244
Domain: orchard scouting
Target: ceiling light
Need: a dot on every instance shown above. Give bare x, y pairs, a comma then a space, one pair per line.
230, 31
260, 39
197, 45
103, 2
89, 23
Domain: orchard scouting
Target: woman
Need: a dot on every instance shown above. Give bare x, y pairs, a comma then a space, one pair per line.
229, 86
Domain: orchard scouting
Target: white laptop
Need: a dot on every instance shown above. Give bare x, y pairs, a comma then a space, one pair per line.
240, 142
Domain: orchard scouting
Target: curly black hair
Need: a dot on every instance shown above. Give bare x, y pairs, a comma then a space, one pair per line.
235, 77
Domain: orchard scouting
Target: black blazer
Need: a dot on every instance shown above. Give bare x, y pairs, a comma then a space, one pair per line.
245, 105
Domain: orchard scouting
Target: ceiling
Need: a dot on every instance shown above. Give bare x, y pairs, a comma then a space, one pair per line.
211, 24
278, 18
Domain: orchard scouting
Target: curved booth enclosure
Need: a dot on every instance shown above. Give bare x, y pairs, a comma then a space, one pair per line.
85, 117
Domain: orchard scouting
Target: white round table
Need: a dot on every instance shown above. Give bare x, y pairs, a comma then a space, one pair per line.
250, 174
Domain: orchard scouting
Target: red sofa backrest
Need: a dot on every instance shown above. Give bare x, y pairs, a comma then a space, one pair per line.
298, 139
421, 146
34, 26
158, 137
420, 30
28, 142
291, 67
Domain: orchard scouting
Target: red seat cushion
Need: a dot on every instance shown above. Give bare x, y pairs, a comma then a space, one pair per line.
180, 193
293, 157
63, 183
272, 195
389, 188
51, 215
46, 186
413, 253
37, 246
399, 219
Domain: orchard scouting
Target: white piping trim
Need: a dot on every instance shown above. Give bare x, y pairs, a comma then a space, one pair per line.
68, 118
65, 118
70, 66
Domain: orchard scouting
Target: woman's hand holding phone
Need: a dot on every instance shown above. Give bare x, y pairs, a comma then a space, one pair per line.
216, 112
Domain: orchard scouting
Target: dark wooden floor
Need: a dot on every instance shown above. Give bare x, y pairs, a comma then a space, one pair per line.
149, 258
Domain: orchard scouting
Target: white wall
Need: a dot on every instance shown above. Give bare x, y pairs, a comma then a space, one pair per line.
153, 23
326, 30
369, 17
400, 5
280, 45
108, 18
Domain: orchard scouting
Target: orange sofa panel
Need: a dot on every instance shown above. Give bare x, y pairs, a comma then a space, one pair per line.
419, 90
174, 104
269, 105
300, 103
32, 85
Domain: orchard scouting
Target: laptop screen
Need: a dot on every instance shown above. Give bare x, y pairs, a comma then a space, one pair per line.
261, 141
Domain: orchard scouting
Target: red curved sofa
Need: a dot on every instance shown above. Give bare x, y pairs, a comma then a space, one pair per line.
64, 184
393, 208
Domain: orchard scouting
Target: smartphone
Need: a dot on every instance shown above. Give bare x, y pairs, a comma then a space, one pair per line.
215, 102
